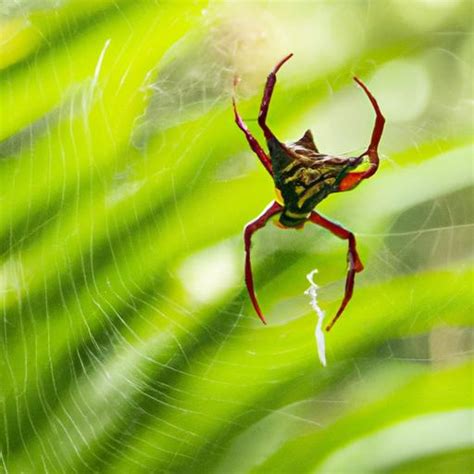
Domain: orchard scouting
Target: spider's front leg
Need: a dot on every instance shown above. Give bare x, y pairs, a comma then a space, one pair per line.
252, 141
353, 260
250, 229
267, 95
351, 180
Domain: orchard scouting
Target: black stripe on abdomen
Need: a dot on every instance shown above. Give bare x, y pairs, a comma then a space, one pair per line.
293, 219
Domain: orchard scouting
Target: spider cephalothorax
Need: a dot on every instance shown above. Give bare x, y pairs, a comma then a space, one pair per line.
303, 177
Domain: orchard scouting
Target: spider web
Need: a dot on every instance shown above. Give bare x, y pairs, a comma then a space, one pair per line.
128, 342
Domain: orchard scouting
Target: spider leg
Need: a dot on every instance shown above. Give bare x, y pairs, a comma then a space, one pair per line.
353, 260
250, 229
353, 179
252, 141
267, 95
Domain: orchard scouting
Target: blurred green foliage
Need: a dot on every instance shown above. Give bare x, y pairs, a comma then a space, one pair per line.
128, 343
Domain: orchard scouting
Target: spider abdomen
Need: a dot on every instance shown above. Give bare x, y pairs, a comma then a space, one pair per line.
304, 177
300, 197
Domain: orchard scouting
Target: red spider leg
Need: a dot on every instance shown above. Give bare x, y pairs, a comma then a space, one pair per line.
250, 228
353, 179
267, 95
355, 265
254, 145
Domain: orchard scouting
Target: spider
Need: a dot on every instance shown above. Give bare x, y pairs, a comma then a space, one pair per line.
303, 177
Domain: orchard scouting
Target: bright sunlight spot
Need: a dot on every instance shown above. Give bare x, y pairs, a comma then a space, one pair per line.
407, 89
208, 274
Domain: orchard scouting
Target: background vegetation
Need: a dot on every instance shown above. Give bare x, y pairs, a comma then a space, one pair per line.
127, 339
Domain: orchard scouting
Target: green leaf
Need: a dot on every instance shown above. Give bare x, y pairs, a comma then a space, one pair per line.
128, 340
